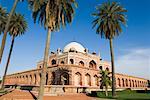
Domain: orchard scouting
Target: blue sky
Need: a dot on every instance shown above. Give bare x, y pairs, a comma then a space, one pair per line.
132, 49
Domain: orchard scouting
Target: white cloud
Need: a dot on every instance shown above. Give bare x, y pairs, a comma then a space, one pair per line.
135, 62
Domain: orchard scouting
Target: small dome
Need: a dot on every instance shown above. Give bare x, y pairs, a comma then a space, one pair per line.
74, 46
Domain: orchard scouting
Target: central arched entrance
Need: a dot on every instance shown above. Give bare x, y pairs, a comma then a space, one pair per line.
64, 78
60, 76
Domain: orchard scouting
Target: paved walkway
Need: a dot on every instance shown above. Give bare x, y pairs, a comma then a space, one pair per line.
26, 95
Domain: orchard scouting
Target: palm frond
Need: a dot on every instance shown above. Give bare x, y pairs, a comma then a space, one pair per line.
53, 13
18, 25
105, 78
3, 17
111, 16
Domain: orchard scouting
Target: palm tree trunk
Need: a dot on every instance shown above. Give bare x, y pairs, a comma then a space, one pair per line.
6, 30
8, 60
106, 91
44, 69
112, 65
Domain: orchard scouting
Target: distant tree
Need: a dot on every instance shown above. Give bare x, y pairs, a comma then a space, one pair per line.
17, 27
52, 14
6, 28
105, 80
109, 17
3, 17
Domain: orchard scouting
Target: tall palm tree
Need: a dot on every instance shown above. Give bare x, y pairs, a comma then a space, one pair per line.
3, 16
6, 29
52, 14
17, 27
109, 17
105, 80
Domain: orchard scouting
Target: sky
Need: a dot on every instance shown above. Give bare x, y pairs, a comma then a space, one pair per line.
131, 48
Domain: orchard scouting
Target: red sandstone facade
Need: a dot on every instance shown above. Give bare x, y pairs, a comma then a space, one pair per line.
73, 67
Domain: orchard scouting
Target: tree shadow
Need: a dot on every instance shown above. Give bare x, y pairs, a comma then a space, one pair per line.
35, 98
5, 91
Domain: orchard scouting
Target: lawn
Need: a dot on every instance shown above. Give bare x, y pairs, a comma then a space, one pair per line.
126, 95
3, 92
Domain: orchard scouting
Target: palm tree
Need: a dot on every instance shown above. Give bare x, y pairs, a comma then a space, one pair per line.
17, 27
6, 29
52, 14
3, 16
109, 17
105, 80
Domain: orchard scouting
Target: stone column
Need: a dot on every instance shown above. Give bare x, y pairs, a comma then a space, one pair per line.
26, 79
70, 78
23, 79
33, 79
124, 85
19, 79
93, 82
138, 83
49, 78
133, 84
29, 79
128, 83
117, 82
83, 79
12, 80
121, 85
38, 78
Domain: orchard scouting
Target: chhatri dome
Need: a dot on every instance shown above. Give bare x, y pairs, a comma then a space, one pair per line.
74, 46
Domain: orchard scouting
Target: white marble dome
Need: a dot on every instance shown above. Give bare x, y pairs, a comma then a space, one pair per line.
74, 46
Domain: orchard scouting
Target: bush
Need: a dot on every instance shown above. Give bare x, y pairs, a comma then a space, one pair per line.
124, 95
26, 88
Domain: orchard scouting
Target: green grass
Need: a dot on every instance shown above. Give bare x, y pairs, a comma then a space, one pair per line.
126, 95
3, 91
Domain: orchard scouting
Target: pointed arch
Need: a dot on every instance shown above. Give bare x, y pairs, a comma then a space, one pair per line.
119, 83
53, 62
133, 83
81, 63
96, 80
126, 82
46, 79
71, 61
107, 69
78, 79
92, 64
87, 80
62, 62
123, 85
64, 78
